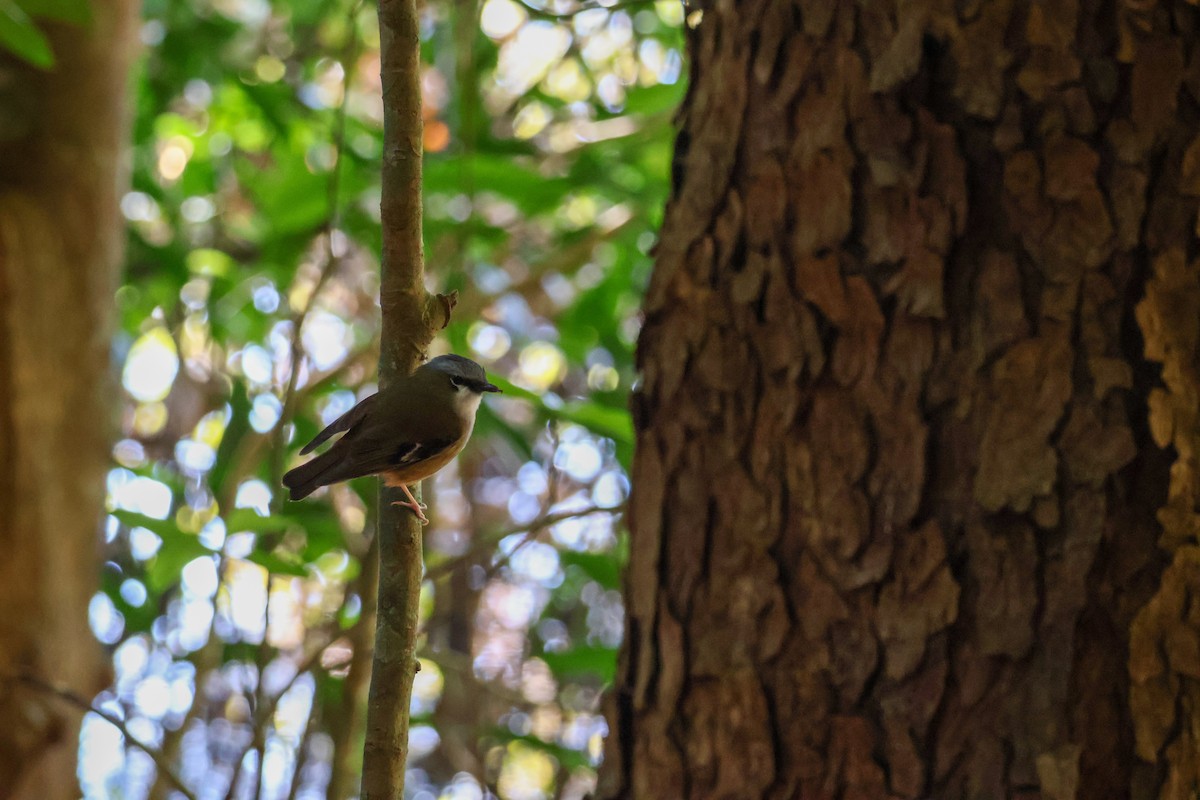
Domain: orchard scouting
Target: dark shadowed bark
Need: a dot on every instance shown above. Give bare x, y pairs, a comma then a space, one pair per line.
62, 133
912, 458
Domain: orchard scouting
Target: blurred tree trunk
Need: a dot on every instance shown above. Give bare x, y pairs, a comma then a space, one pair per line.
462, 711
914, 507
62, 138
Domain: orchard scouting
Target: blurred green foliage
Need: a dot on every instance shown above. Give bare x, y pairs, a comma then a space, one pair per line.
20, 33
239, 623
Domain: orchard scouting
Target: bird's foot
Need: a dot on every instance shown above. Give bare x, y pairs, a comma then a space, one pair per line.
416, 508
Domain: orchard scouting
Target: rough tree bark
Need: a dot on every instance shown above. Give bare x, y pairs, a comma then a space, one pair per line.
914, 508
62, 135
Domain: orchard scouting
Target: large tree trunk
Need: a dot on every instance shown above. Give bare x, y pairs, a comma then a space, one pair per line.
62, 136
902, 506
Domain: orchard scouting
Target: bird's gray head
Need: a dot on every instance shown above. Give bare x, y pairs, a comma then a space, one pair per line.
464, 374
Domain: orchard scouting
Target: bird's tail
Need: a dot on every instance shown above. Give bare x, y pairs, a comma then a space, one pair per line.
308, 477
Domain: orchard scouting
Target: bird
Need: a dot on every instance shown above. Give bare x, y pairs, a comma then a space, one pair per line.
403, 433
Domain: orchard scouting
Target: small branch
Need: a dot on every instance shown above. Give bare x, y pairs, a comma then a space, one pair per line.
80, 702
482, 545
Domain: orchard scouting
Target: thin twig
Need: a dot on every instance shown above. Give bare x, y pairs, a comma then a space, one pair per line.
265, 710
82, 703
482, 545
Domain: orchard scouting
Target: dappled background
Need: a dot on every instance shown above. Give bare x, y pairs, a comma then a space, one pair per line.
239, 624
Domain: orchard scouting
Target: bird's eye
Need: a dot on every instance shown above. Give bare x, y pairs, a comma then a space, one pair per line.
456, 383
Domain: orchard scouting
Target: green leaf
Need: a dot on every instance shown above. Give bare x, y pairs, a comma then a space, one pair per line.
163, 528
20, 36
76, 12
322, 530
206, 261
138, 619
615, 423
244, 652
247, 519
603, 568
176, 552
318, 521
488, 420
292, 199
570, 759
237, 428
585, 660
277, 565
657, 99
533, 192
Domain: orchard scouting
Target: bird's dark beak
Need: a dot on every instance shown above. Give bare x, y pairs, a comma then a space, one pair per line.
489, 387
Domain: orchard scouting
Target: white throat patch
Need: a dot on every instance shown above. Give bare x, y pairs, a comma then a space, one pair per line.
466, 403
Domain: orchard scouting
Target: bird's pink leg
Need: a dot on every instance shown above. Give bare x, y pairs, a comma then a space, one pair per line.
417, 508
